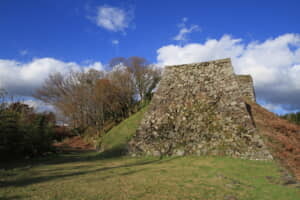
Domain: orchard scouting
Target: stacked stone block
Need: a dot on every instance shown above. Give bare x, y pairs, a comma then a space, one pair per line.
198, 109
246, 86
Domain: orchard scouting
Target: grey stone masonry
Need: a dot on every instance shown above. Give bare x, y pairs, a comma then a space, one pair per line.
198, 109
246, 86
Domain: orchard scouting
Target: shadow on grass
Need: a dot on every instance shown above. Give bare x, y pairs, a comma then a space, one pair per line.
73, 157
113, 153
11, 198
64, 158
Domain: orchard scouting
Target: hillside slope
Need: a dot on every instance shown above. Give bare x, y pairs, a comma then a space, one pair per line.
281, 136
117, 138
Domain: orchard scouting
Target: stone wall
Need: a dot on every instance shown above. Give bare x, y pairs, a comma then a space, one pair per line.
198, 110
246, 86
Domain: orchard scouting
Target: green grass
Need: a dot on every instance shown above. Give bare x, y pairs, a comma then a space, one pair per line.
116, 139
90, 176
94, 176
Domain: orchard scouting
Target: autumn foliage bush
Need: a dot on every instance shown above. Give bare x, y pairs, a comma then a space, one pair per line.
24, 133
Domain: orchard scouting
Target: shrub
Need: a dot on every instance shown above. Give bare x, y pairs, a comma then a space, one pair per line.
23, 132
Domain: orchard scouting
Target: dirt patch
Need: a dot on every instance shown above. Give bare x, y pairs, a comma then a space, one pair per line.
281, 136
74, 144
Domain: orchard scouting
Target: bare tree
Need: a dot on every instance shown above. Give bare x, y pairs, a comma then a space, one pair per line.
94, 98
122, 79
72, 95
3, 94
144, 76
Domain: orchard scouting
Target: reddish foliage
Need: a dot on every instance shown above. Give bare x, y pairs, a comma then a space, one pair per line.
61, 132
282, 137
74, 144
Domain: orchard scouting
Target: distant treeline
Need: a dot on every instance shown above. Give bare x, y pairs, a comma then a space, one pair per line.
292, 117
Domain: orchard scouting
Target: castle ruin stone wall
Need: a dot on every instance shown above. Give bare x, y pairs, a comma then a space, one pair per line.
198, 109
246, 86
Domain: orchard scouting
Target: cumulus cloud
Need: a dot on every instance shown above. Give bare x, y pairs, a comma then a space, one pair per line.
184, 30
274, 64
115, 42
195, 52
113, 18
22, 79
23, 52
39, 106
95, 65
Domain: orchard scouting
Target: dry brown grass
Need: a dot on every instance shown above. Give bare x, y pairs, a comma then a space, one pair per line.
282, 137
76, 143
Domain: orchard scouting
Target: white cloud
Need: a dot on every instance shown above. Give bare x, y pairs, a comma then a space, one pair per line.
113, 18
115, 42
274, 63
96, 65
195, 52
184, 30
271, 107
39, 106
185, 19
23, 52
24, 78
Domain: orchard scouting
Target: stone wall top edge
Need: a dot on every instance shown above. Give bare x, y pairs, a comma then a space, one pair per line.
219, 61
247, 77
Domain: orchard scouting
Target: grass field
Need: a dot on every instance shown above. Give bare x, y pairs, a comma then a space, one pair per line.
108, 175
90, 176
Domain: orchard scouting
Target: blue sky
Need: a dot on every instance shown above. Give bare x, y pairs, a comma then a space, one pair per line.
38, 37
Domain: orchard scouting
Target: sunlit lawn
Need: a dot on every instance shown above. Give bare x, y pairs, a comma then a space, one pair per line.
89, 176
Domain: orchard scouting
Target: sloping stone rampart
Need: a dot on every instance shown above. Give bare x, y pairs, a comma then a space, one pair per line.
198, 109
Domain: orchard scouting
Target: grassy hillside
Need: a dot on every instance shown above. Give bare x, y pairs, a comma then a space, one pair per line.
114, 142
89, 176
